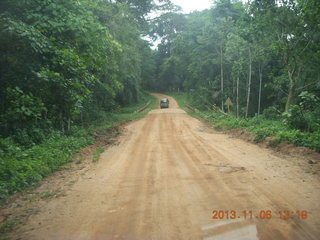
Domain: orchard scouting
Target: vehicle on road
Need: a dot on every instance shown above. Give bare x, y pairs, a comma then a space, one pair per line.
164, 103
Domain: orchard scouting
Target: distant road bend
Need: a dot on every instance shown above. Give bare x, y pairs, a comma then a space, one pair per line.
165, 179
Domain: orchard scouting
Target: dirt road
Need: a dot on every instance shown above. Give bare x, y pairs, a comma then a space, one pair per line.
166, 177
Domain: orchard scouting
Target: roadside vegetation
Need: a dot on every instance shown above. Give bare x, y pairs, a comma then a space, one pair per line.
24, 163
295, 128
69, 71
97, 153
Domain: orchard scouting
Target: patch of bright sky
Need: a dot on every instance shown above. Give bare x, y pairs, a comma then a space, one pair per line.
193, 5
187, 7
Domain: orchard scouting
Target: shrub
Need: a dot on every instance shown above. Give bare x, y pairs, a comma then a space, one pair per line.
272, 113
305, 115
25, 168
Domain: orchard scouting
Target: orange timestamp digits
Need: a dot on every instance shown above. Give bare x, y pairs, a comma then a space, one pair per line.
261, 214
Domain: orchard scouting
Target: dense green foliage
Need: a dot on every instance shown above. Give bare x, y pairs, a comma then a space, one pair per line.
21, 168
262, 54
65, 61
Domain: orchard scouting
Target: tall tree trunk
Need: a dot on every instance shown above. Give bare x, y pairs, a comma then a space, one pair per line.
221, 72
62, 122
260, 87
249, 82
292, 87
238, 97
69, 124
233, 91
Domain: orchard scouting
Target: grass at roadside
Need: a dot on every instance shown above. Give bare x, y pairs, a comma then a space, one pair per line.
7, 226
259, 126
97, 153
121, 116
181, 98
23, 168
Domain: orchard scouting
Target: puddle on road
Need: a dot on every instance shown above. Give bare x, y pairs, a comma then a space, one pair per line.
225, 168
231, 169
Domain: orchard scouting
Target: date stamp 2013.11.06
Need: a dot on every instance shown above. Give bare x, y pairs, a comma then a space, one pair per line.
260, 214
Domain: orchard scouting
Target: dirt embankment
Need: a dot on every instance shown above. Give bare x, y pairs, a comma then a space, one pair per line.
165, 179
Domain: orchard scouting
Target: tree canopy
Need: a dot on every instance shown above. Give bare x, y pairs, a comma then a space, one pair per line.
65, 60
261, 54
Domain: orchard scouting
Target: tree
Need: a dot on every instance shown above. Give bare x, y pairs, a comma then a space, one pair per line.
68, 58
223, 15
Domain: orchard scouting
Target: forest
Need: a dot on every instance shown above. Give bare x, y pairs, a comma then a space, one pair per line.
262, 56
68, 64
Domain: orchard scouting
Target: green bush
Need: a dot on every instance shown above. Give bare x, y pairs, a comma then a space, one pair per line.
305, 115
272, 113
312, 140
25, 168
262, 128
